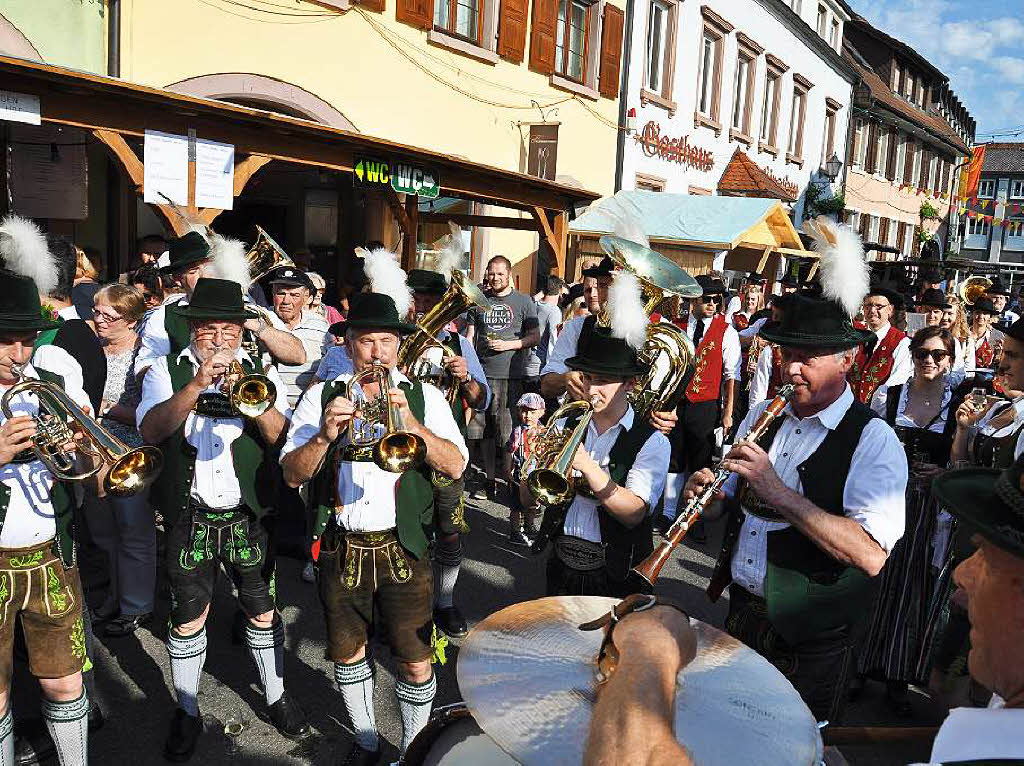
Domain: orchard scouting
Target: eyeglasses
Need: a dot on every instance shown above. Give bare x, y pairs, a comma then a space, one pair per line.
99, 316
937, 354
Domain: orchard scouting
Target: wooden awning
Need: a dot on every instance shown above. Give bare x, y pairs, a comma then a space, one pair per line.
745, 178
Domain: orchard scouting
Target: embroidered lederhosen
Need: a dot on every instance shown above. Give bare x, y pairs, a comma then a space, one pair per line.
449, 493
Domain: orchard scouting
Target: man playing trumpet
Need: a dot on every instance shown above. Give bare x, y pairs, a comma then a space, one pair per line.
367, 534
216, 488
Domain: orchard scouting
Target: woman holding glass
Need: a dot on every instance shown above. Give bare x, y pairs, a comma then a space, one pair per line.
921, 412
123, 526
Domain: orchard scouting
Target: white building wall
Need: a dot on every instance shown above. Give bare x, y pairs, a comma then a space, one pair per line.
762, 22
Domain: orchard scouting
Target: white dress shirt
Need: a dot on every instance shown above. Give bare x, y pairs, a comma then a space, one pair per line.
646, 479
902, 369
30, 515
153, 340
366, 493
732, 356
336, 363
214, 484
762, 376
969, 733
873, 495
735, 304
565, 346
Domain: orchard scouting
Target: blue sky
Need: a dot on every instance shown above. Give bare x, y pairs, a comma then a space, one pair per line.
978, 44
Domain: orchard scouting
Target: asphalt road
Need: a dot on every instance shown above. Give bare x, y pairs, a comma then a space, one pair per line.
134, 680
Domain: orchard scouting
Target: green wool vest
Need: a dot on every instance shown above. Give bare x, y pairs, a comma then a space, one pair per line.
414, 495
255, 468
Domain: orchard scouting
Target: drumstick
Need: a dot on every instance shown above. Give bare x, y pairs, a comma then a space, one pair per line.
862, 735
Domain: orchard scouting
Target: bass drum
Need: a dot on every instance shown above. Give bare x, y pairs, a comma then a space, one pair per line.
452, 738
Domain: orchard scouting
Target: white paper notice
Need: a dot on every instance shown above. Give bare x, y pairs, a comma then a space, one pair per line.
19, 107
166, 168
215, 175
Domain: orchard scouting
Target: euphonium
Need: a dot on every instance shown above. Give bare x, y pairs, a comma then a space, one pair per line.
973, 288
395, 450
460, 295
130, 470
251, 395
264, 255
549, 472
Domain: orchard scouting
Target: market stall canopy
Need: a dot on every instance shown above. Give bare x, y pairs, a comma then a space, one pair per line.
692, 229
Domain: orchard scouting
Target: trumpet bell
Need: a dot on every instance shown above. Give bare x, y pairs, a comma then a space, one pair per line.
399, 452
973, 288
252, 395
550, 487
133, 472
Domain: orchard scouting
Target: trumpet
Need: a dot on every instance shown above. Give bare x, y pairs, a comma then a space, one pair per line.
396, 450
265, 255
650, 568
548, 474
130, 470
251, 395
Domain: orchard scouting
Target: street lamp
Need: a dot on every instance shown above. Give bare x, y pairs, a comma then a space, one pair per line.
833, 166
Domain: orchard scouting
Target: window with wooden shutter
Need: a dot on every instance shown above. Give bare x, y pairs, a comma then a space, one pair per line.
611, 51
926, 167
512, 30
908, 168
872, 149
883, 231
890, 160
417, 13
542, 36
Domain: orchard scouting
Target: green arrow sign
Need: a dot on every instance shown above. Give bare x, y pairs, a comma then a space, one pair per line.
403, 177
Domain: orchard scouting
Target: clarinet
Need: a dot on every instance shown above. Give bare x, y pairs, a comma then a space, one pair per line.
650, 567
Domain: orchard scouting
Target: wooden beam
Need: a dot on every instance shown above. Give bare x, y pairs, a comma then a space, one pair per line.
409, 241
246, 169
491, 221
764, 259
541, 216
404, 222
562, 238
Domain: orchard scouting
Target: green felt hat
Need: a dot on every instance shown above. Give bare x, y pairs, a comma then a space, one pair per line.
20, 310
813, 322
215, 299
373, 311
185, 251
424, 281
607, 355
989, 500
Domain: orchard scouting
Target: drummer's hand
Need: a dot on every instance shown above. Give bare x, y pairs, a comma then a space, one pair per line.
663, 632
664, 421
752, 463
926, 470
15, 435
576, 388
697, 482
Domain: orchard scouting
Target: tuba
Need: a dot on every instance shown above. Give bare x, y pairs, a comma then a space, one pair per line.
549, 471
250, 395
973, 288
130, 470
396, 450
265, 255
460, 295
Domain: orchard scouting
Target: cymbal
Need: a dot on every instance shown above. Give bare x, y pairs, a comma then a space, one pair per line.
526, 674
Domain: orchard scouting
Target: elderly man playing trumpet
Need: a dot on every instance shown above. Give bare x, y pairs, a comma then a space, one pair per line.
367, 536
215, 491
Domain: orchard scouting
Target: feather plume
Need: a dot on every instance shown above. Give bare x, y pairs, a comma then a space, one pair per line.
24, 251
386, 277
450, 252
229, 261
845, 274
626, 308
626, 222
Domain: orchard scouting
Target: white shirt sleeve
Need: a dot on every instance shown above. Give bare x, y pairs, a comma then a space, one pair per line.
475, 370
646, 479
153, 341
156, 388
752, 330
306, 417
437, 417
58, 361
762, 377
732, 357
565, 347
281, 397
875, 493
733, 307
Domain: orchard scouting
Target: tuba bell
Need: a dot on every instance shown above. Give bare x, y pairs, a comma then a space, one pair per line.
379, 435
265, 255
549, 471
130, 470
973, 288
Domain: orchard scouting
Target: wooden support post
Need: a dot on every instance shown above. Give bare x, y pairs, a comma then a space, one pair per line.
409, 240
562, 238
192, 209
764, 259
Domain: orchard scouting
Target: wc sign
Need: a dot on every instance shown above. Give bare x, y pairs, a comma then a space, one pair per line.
404, 177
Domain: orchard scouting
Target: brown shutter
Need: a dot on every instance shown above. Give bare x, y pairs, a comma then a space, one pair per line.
542, 36
417, 13
371, 5
512, 30
926, 166
872, 153
611, 51
883, 231
890, 161
908, 168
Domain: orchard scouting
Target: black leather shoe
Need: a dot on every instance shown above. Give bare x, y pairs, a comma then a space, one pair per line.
659, 525
288, 718
450, 620
126, 624
183, 736
357, 756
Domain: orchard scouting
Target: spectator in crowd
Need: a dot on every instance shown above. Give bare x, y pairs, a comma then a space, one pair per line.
549, 317
501, 334
520, 449
85, 285
146, 279
123, 526
316, 300
290, 291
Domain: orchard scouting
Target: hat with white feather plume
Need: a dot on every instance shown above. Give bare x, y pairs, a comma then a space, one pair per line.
826, 320
612, 350
24, 251
390, 299
228, 261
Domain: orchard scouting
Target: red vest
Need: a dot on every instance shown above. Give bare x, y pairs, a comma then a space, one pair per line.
706, 382
983, 354
867, 375
740, 321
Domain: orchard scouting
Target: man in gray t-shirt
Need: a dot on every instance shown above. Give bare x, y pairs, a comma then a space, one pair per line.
501, 336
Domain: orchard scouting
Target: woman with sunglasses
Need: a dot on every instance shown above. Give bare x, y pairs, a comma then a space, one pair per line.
922, 413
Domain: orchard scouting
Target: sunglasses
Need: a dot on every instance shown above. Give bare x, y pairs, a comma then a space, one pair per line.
937, 354
711, 299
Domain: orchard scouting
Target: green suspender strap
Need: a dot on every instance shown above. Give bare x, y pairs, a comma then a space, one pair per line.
414, 494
